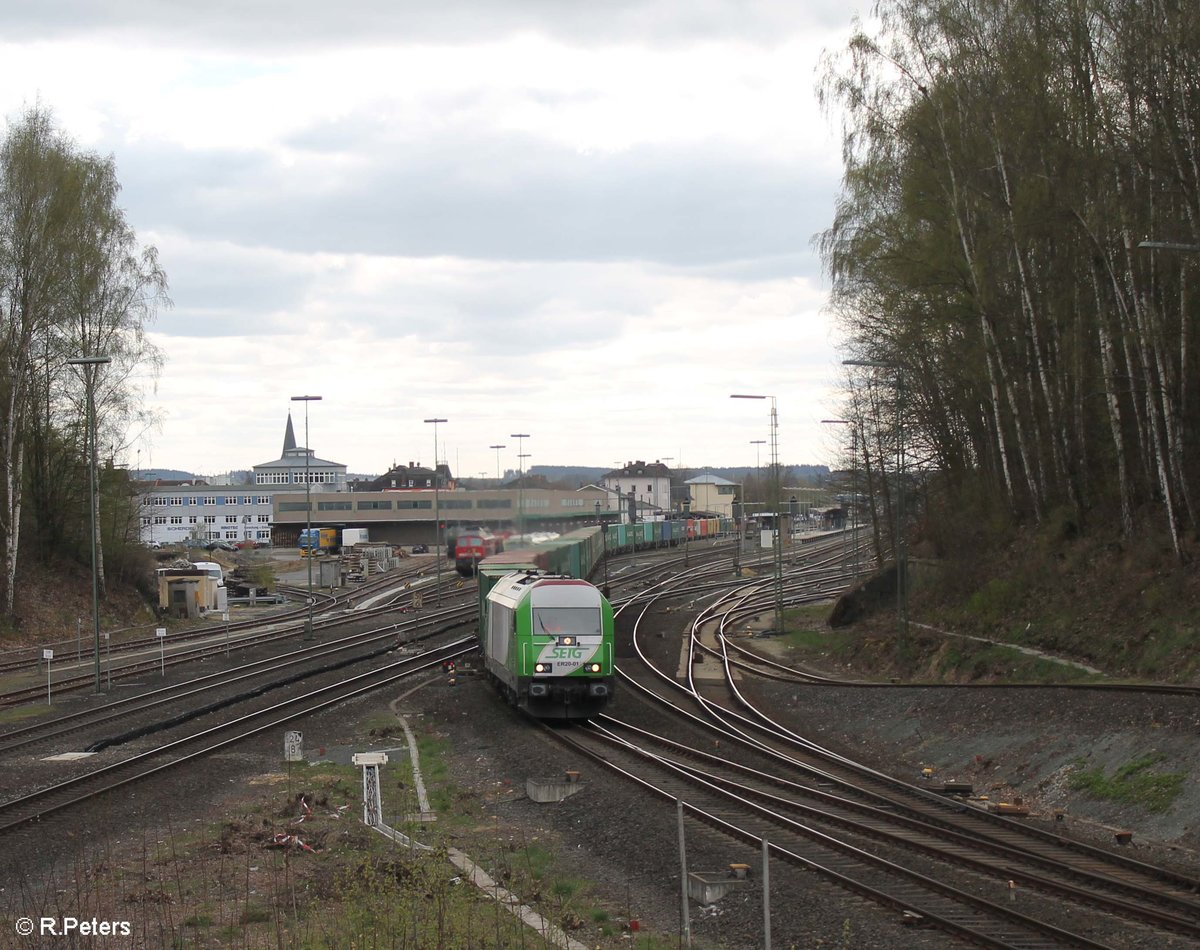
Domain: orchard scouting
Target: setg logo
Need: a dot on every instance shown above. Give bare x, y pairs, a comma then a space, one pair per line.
566, 653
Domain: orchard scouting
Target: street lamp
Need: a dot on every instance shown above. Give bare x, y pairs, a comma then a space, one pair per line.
308, 624
497, 448
520, 437
901, 545
603, 541
437, 514
775, 502
91, 366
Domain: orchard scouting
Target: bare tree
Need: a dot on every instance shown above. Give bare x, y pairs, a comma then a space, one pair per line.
72, 283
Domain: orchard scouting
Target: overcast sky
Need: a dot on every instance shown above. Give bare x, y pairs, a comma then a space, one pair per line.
589, 222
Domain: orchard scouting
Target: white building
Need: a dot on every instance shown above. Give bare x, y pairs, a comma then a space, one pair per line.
174, 511
713, 494
650, 485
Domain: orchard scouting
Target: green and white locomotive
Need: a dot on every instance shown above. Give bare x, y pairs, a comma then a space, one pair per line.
547, 641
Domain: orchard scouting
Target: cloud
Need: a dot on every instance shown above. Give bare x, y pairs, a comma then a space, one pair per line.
306, 24
498, 199
589, 222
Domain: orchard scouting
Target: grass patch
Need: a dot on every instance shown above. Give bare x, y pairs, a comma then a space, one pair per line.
254, 914
1168, 653
535, 861
806, 617
962, 660
232, 882
380, 723
1132, 784
432, 751
21, 713
993, 602
809, 634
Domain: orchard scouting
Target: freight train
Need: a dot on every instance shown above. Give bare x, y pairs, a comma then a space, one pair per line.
546, 634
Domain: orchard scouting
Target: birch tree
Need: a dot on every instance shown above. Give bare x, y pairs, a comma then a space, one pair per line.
1004, 160
72, 283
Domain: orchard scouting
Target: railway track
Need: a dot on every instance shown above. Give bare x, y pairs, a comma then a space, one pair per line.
40, 804
933, 857
175, 704
148, 655
924, 898
196, 694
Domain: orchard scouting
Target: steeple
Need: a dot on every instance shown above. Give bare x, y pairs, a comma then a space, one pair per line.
289, 437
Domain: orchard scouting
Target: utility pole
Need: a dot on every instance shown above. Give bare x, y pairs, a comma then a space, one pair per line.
91, 366
308, 623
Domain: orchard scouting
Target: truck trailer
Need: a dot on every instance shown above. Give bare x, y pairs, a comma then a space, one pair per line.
353, 536
318, 541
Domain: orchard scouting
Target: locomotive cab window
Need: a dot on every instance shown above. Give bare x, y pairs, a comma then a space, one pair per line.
567, 621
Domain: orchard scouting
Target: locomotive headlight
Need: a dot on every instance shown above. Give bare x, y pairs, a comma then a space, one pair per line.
539, 668
594, 668
568, 641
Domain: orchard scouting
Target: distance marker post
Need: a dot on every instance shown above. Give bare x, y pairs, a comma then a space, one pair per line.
161, 633
47, 655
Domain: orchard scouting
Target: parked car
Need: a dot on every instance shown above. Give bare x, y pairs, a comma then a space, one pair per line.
420, 549
218, 546
249, 544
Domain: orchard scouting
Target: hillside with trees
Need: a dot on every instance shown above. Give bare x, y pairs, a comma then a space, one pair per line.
1013, 245
74, 283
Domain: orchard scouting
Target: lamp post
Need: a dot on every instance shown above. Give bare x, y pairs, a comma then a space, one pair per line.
521, 456
91, 366
437, 513
901, 545
604, 542
308, 623
739, 532
497, 448
775, 502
